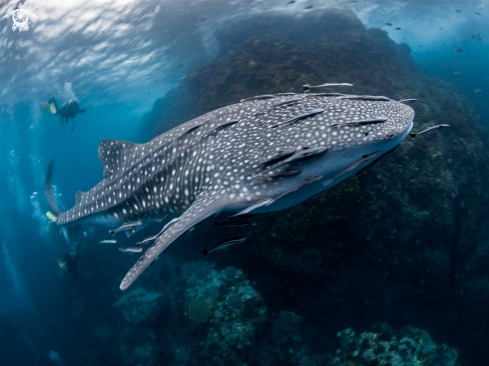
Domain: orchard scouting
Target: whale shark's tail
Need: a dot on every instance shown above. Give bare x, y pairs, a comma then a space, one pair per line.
49, 191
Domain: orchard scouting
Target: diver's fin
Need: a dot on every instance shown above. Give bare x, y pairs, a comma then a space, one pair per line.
49, 192
111, 153
51, 216
205, 205
52, 108
45, 106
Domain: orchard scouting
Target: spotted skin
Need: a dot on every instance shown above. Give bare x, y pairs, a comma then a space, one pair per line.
190, 172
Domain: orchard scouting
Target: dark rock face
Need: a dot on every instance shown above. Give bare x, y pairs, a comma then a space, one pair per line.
381, 345
405, 241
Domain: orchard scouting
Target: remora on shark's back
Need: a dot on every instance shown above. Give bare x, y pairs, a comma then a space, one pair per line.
238, 159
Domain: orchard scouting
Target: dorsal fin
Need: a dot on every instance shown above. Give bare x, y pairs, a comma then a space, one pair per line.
79, 196
111, 153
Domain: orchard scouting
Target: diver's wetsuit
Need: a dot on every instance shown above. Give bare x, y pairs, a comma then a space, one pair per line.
67, 111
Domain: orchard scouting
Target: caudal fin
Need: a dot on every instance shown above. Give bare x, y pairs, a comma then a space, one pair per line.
49, 192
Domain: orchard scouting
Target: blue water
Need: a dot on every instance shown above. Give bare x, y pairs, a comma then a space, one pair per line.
117, 58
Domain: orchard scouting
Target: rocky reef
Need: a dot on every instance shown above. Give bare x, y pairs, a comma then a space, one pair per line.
381, 345
406, 241
204, 315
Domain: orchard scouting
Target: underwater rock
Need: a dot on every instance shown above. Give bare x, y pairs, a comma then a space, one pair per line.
382, 346
394, 243
287, 325
102, 332
141, 307
200, 308
139, 347
233, 312
287, 334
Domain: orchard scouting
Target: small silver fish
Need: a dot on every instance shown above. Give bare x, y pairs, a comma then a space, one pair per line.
407, 100
146, 240
153, 238
223, 244
131, 250
413, 135
126, 226
327, 85
108, 242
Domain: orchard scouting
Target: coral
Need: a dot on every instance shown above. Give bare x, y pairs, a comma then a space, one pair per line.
234, 308
140, 307
200, 308
138, 346
287, 325
382, 346
287, 334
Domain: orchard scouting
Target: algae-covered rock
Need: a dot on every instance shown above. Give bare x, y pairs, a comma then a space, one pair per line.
382, 346
225, 310
139, 346
200, 308
141, 307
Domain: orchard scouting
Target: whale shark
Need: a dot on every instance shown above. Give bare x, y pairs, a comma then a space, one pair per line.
264, 154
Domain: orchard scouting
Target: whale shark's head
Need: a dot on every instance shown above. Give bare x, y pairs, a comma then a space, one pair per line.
387, 124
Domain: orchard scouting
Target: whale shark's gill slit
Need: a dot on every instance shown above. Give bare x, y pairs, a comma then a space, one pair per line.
193, 128
299, 117
281, 155
220, 127
362, 122
366, 98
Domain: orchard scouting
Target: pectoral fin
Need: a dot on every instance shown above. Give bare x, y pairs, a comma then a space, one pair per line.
204, 206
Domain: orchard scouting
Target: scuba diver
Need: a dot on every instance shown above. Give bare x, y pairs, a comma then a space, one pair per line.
67, 110
67, 262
